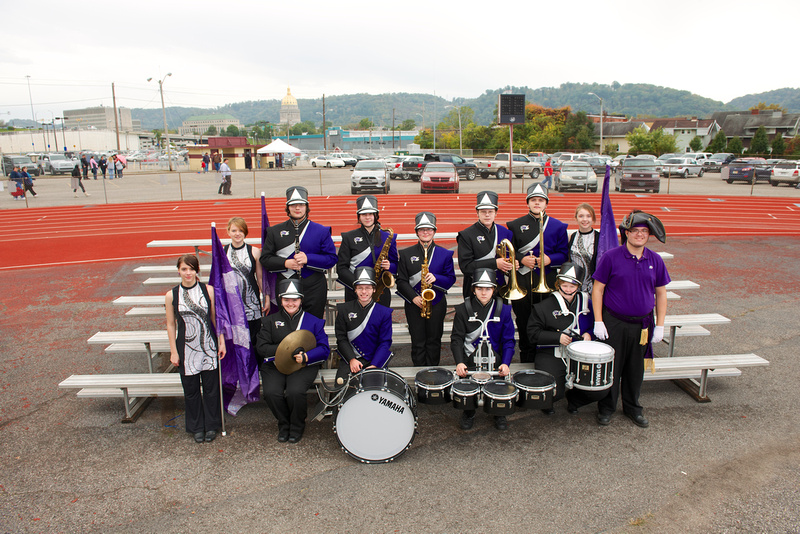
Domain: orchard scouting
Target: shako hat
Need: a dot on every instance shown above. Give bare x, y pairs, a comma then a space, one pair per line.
425, 219
296, 195
484, 278
365, 275
290, 288
487, 200
366, 204
569, 272
537, 190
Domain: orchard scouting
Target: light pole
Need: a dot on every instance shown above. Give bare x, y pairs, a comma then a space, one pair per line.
423, 121
63, 133
458, 109
164, 112
33, 115
601, 122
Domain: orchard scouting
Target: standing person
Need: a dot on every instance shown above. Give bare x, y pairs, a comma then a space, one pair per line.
286, 394
112, 163
244, 262
206, 162
583, 244
561, 318
363, 329
27, 181
85, 166
103, 164
482, 317
248, 160
363, 246
195, 349
226, 177
93, 166
77, 182
629, 282
118, 166
425, 317
548, 174
477, 244
216, 157
300, 248
526, 247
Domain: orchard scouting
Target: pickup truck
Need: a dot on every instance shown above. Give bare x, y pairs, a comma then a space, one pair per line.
465, 169
498, 167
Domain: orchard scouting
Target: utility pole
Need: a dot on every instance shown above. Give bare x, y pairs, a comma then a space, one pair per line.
164, 112
116, 119
324, 128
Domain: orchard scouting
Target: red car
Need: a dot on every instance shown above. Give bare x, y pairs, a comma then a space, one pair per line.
439, 176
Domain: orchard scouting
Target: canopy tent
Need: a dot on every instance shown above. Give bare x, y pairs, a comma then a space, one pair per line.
278, 147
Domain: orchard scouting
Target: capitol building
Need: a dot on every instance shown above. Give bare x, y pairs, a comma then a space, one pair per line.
290, 113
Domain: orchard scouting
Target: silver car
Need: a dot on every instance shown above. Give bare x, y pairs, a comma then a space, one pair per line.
575, 175
369, 174
682, 168
786, 172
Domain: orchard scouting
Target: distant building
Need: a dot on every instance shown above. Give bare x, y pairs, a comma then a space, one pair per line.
744, 124
199, 124
290, 113
101, 118
685, 130
615, 133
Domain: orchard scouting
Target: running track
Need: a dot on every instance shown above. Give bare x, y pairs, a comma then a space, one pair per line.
52, 236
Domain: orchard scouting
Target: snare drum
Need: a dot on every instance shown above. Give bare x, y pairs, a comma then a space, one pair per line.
591, 365
465, 393
499, 397
433, 385
377, 420
536, 389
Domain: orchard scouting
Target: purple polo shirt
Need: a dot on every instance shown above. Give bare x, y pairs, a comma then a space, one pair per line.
630, 282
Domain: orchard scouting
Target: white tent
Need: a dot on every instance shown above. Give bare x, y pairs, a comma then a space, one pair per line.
278, 147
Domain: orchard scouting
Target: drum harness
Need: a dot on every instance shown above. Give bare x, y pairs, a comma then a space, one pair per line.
484, 356
573, 330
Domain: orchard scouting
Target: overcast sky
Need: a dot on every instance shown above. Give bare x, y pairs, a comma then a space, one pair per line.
223, 52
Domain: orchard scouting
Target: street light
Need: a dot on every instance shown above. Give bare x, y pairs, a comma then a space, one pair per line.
63, 133
164, 112
601, 122
458, 109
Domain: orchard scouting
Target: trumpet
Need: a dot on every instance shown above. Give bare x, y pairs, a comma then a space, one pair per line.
510, 291
426, 292
542, 286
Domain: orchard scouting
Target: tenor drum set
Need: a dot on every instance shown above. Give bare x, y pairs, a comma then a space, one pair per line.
376, 411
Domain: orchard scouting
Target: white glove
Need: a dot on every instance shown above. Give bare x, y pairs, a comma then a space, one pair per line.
600, 331
658, 334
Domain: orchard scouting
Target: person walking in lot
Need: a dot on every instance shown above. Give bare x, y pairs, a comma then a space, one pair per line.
630, 280
217, 159
85, 166
548, 174
103, 164
206, 162
27, 181
226, 177
77, 182
93, 166
118, 166
16, 176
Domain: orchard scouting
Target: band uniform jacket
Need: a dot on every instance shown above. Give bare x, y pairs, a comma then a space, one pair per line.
552, 317
358, 249
440, 263
477, 249
466, 334
526, 238
315, 241
278, 325
364, 332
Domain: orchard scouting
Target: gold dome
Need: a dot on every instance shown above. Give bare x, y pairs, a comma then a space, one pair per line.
288, 100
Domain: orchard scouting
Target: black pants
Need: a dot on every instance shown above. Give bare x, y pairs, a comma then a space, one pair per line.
315, 294
545, 360
426, 334
628, 366
226, 185
343, 371
203, 412
522, 310
286, 396
386, 296
29, 187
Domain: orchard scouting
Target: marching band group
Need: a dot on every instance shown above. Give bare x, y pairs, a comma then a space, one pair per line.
611, 299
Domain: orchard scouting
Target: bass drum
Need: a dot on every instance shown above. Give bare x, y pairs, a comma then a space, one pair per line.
433, 385
591, 365
499, 397
536, 389
377, 420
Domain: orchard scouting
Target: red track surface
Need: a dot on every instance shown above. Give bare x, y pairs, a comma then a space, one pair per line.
56, 236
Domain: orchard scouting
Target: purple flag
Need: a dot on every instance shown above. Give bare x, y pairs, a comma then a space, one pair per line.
240, 384
268, 281
608, 227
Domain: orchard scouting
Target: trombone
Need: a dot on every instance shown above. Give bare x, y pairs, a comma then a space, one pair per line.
542, 286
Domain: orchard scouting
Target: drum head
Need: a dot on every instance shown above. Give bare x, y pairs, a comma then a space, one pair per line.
375, 426
466, 387
481, 377
500, 389
534, 380
380, 378
434, 378
590, 351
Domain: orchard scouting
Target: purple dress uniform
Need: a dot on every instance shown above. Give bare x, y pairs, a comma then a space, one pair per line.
364, 333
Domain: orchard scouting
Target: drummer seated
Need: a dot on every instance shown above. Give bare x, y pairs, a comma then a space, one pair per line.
482, 317
558, 320
363, 329
285, 394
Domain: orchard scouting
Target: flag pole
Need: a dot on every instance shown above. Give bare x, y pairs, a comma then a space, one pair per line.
219, 364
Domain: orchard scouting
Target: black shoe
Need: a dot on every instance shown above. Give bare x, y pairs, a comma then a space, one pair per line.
500, 422
548, 411
466, 421
283, 436
199, 437
295, 439
211, 435
572, 409
603, 419
638, 420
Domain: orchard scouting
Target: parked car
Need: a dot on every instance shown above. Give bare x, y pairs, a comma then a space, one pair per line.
716, 161
439, 176
786, 172
369, 174
327, 161
598, 164
20, 161
349, 159
748, 170
57, 164
637, 173
700, 157
465, 168
575, 175
681, 167
411, 167
499, 166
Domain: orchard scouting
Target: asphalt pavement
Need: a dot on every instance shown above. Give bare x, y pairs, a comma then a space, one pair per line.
731, 465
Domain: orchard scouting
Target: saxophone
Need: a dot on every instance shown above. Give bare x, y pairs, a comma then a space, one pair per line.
383, 279
426, 292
